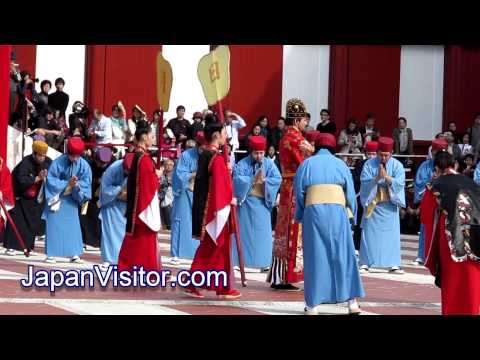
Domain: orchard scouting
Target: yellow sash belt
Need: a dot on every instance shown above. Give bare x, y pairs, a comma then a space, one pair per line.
258, 190
383, 195
326, 194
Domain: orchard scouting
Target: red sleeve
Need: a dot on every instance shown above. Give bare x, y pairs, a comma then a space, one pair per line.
6, 185
428, 208
220, 192
293, 144
148, 183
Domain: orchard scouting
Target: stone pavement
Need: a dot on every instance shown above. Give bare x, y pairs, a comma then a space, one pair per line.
413, 293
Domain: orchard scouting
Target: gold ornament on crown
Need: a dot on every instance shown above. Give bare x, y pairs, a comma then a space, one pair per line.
296, 108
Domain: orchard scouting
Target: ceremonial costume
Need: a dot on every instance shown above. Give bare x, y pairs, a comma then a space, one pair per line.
113, 208
423, 176
29, 203
287, 262
325, 200
212, 222
8, 197
452, 241
380, 245
63, 232
256, 186
183, 245
140, 245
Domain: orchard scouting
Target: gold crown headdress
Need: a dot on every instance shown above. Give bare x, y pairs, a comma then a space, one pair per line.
296, 108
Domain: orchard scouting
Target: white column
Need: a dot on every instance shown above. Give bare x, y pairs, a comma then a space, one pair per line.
67, 62
186, 88
306, 70
421, 89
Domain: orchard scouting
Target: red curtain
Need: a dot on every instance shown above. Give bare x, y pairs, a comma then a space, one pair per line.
5, 51
461, 85
122, 72
365, 78
26, 57
255, 82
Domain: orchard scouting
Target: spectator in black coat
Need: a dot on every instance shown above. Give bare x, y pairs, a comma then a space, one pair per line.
59, 99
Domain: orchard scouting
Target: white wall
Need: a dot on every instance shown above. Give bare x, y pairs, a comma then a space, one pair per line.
421, 89
186, 88
67, 62
306, 76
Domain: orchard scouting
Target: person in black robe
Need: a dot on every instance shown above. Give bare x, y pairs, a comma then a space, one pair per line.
28, 178
90, 224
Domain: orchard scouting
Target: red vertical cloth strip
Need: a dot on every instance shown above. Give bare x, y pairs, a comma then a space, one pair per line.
5, 51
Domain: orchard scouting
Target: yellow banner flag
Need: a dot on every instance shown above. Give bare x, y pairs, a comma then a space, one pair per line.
164, 82
214, 74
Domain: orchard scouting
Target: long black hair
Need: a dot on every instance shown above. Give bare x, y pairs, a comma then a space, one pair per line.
212, 125
444, 160
143, 127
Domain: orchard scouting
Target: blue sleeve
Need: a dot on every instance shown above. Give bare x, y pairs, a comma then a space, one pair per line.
350, 192
83, 191
112, 183
299, 187
422, 177
368, 187
54, 185
476, 174
242, 181
273, 180
183, 171
397, 187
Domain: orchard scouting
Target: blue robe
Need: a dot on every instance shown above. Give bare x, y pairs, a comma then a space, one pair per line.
330, 264
476, 174
112, 212
422, 178
183, 245
254, 213
63, 232
380, 244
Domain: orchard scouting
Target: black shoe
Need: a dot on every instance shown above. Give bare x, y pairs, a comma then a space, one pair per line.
285, 287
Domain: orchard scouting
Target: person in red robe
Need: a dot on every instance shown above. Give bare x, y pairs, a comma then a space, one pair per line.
449, 212
6, 195
212, 221
287, 262
140, 245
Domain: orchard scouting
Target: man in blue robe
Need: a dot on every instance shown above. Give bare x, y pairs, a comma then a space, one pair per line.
256, 181
113, 207
68, 188
325, 206
183, 246
382, 193
476, 174
422, 178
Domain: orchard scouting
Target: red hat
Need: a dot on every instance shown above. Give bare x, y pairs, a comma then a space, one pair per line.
311, 135
76, 146
326, 139
258, 143
200, 137
385, 144
439, 144
371, 146
197, 115
128, 160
